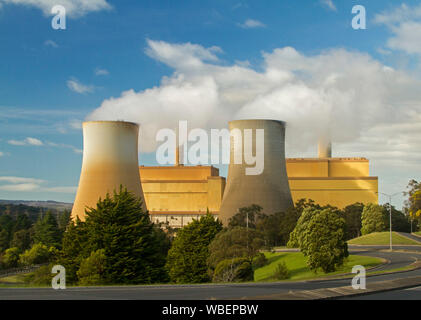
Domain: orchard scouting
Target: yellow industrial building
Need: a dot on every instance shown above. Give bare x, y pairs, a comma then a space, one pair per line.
179, 193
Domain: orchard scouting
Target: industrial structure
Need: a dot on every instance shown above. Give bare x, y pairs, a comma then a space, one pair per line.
110, 159
335, 181
270, 188
177, 194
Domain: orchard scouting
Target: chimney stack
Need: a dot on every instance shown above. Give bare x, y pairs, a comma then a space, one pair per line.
325, 148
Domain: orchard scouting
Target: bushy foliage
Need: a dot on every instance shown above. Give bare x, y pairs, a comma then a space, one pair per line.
259, 260
372, 219
10, 258
352, 215
135, 248
47, 231
320, 235
187, 258
233, 270
238, 242
39, 253
91, 271
281, 271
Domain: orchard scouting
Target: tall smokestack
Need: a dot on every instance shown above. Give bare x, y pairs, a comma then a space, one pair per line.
325, 148
270, 189
110, 159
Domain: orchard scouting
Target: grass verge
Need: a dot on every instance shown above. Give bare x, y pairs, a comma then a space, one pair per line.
296, 264
382, 238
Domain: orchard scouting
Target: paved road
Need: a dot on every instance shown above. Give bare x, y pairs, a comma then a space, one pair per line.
407, 294
217, 291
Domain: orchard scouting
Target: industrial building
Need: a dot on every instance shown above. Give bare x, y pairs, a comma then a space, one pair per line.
178, 194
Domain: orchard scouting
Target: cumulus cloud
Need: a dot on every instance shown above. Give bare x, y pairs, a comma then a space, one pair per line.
404, 22
338, 93
74, 8
251, 24
76, 86
26, 142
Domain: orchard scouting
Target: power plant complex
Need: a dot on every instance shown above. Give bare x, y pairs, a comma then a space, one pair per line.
177, 194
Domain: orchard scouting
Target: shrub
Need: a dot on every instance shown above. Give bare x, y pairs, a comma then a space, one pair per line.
260, 260
281, 272
92, 269
39, 253
231, 270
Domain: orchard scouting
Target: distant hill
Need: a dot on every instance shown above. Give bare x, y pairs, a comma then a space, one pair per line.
59, 206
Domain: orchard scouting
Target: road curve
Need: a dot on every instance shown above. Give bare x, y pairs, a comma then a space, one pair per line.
214, 291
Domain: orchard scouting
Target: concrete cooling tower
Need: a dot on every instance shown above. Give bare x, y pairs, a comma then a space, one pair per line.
110, 159
270, 189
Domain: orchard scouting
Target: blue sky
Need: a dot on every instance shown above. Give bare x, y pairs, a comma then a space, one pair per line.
51, 80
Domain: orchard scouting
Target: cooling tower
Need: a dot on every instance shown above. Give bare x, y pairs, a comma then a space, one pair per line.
324, 148
270, 189
110, 159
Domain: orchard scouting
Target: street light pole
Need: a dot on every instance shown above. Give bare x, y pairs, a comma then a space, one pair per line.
390, 215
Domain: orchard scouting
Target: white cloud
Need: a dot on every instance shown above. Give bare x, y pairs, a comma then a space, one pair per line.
21, 180
369, 109
62, 145
50, 43
76, 124
251, 23
74, 8
21, 184
101, 72
76, 86
1, 154
329, 4
404, 22
347, 92
36, 142
26, 142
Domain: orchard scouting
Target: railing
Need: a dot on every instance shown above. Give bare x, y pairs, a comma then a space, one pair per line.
18, 270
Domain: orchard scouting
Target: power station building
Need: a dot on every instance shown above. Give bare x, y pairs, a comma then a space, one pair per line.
178, 194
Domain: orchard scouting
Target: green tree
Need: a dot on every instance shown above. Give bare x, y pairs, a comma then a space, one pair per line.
352, 215
135, 248
233, 270
187, 258
21, 239
11, 257
39, 253
247, 216
74, 249
372, 219
322, 239
400, 221
91, 271
237, 242
4, 239
47, 231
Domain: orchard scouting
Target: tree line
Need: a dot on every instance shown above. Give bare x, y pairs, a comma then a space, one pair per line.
119, 244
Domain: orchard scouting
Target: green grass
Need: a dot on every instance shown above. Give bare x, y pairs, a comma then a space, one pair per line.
296, 263
418, 233
382, 238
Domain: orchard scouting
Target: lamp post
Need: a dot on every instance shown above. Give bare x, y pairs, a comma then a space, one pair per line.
390, 214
